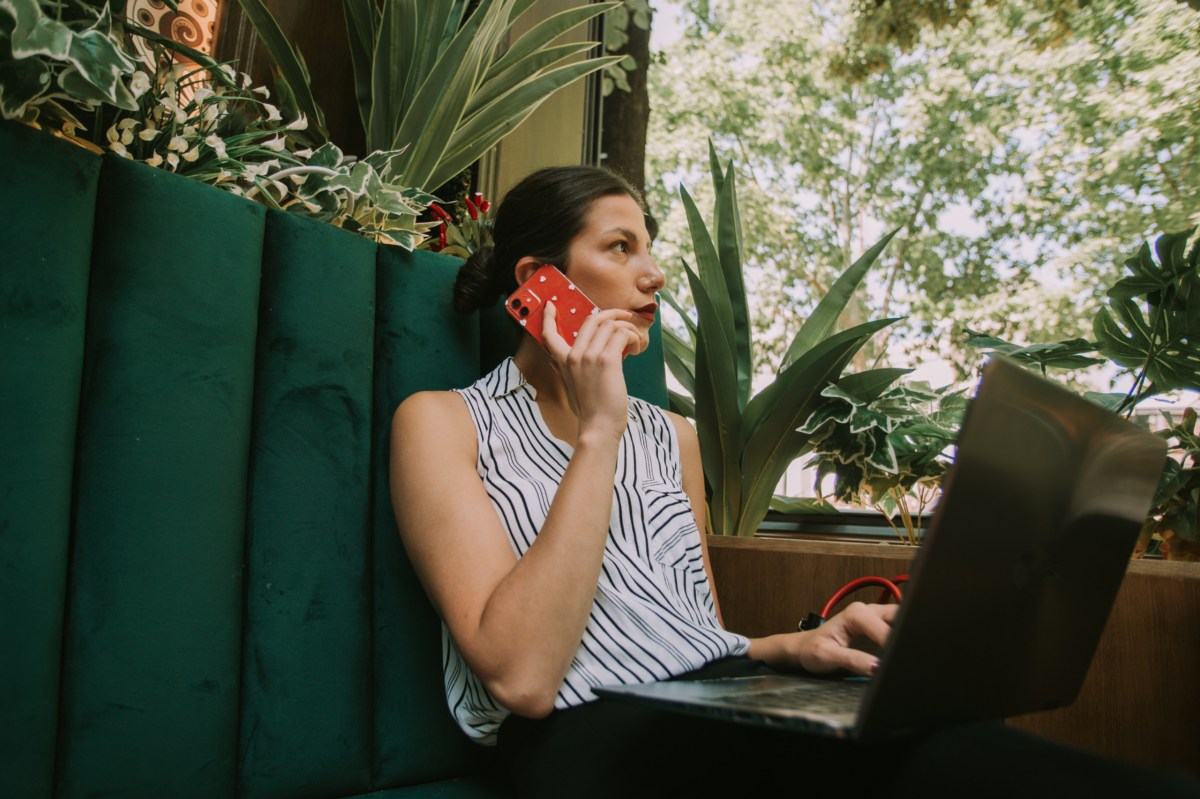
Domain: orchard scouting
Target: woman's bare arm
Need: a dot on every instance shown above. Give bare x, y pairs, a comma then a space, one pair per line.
518, 622
693, 486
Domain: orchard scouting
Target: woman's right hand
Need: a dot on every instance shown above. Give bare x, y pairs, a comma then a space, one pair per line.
591, 368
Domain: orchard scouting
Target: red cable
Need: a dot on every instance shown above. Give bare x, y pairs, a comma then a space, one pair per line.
891, 590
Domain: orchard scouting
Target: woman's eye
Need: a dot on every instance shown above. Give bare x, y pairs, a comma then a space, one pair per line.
621, 246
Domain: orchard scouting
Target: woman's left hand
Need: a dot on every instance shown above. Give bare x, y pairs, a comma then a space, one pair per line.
829, 647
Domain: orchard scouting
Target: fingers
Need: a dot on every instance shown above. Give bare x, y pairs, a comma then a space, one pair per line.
554, 343
830, 649
609, 333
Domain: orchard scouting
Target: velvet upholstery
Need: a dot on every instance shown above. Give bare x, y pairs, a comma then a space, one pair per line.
47, 202
204, 594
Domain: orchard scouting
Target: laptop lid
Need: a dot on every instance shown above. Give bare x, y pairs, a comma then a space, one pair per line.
1013, 585
1022, 562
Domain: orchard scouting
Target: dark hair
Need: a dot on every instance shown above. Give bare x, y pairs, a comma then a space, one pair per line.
539, 217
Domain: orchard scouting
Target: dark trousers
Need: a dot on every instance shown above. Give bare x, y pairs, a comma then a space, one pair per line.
610, 748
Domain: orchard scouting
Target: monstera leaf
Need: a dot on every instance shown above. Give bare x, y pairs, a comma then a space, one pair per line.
1153, 321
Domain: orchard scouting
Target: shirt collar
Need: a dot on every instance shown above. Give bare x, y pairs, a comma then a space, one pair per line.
509, 380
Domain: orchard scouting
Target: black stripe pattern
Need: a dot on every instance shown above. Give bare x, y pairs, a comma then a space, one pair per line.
653, 616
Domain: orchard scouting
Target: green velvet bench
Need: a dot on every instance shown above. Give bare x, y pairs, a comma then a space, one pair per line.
202, 592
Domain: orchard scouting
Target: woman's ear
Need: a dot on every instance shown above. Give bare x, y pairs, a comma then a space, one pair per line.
525, 268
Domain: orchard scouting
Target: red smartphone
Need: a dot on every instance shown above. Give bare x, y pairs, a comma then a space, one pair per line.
528, 304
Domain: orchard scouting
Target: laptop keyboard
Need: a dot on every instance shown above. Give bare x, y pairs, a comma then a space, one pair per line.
833, 697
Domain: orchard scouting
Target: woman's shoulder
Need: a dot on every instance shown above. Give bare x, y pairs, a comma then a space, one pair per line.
429, 408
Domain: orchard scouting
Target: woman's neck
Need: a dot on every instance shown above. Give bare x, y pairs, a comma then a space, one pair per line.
535, 365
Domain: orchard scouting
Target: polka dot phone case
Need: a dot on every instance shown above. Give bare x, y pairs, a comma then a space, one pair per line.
527, 304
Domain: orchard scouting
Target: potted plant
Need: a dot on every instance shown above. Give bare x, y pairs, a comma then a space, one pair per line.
748, 441
433, 82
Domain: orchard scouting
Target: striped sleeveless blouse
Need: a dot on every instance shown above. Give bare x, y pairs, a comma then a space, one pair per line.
653, 616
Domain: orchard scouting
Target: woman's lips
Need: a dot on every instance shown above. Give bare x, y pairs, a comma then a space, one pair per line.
647, 311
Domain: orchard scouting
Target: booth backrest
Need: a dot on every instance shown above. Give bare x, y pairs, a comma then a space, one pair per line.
201, 585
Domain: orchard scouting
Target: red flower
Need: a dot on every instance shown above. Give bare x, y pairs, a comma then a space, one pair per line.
480, 203
471, 209
439, 212
442, 235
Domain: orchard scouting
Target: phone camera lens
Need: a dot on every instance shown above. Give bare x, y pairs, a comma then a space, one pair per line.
516, 303
524, 312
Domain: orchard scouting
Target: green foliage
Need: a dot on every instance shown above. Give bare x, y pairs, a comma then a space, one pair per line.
431, 81
211, 126
46, 58
464, 232
1175, 521
616, 36
884, 444
747, 441
1072, 354
1151, 328
1016, 175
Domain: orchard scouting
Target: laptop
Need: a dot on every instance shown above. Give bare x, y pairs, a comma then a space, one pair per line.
1010, 590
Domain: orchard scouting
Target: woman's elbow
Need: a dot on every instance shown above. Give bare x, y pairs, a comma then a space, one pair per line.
525, 698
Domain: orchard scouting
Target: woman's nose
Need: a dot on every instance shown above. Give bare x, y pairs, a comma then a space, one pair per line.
652, 279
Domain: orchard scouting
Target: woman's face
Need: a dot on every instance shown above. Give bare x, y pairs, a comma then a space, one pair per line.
610, 259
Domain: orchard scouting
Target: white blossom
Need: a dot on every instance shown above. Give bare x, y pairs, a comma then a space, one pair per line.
192, 154
154, 160
173, 160
148, 133
275, 144
177, 143
262, 90
218, 144
118, 148
298, 124
273, 114
139, 83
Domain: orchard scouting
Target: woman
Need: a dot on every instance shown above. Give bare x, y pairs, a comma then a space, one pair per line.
553, 522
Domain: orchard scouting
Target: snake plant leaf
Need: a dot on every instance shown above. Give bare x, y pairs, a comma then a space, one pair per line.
669, 299
496, 86
729, 252
718, 418
681, 404
440, 102
826, 314
543, 33
773, 443
708, 266
491, 124
362, 27
760, 408
680, 360
286, 59
867, 386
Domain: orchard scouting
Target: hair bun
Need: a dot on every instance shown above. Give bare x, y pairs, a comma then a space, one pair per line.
474, 285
